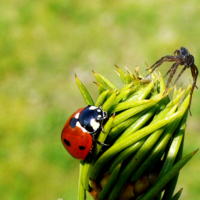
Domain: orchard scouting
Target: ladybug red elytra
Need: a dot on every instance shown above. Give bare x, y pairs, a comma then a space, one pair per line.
81, 129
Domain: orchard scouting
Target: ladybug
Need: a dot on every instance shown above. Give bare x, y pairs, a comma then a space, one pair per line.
81, 129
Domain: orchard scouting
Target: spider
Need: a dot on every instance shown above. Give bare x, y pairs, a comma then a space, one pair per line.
181, 57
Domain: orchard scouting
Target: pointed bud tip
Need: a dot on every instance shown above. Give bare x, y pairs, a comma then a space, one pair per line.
116, 66
76, 77
95, 73
195, 151
147, 65
113, 116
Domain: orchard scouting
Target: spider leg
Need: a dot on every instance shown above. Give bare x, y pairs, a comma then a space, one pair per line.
195, 73
172, 72
180, 74
160, 61
176, 52
167, 72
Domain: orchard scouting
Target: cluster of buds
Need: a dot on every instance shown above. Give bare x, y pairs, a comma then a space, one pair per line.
145, 134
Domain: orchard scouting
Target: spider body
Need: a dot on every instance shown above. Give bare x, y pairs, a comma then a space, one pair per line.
185, 57
181, 57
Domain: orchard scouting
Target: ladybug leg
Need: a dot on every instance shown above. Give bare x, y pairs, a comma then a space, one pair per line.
102, 129
102, 144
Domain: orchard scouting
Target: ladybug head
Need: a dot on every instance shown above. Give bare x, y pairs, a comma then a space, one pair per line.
91, 118
100, 115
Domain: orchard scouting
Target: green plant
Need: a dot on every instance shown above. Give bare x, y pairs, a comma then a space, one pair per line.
145, 132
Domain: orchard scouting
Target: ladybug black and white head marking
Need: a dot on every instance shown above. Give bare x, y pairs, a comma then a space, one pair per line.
75, 122
91, 118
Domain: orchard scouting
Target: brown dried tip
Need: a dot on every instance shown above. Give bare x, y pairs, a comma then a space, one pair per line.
144, 183
147, 66
127, 192
104, 180
94, 72
93, 194
128, 70
96, 83
196, 151
137, 71
116, 66
96, 189
113, 116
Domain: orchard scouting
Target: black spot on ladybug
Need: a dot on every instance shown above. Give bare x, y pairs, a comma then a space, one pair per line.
67, 142
81, 147
73, 122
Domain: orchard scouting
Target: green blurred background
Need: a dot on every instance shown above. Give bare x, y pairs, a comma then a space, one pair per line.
42, 45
